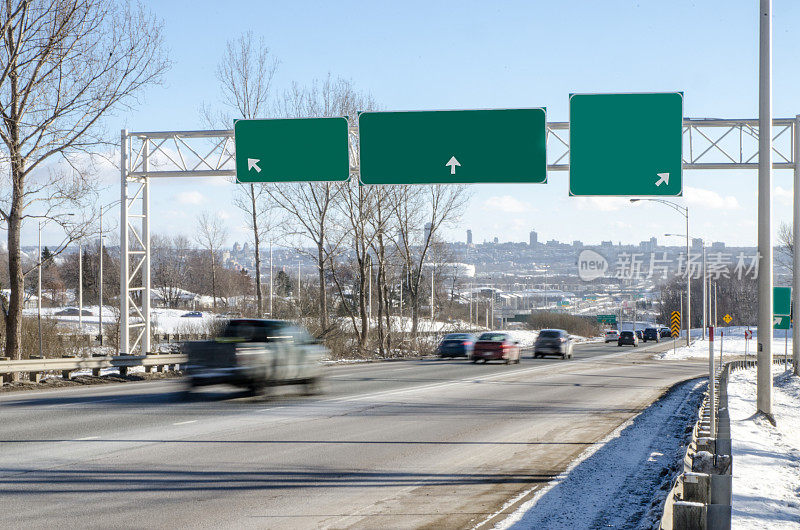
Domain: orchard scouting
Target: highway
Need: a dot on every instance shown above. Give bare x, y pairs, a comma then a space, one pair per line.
407, 444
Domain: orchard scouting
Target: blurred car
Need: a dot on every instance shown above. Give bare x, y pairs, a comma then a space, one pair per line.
553, 342
612, 335
650, 334
496, 345
628, 338
456, 345
194, 314
665, 332
73, 312
640, 335
256, 354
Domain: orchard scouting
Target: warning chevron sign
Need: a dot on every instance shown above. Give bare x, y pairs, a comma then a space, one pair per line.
675, 323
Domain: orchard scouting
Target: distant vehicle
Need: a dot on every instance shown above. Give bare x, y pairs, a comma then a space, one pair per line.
650, 334
496, 345
640, 334
612, 335
665, 332
73, 312
553, 342
456, 345
628, 338
193, 314
256, 354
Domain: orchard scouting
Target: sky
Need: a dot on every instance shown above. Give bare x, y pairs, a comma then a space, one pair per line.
430, 55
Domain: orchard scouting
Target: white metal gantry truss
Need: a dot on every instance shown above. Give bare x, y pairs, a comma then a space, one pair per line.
707, 144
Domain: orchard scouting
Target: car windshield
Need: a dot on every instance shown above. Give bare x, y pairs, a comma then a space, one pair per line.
612, 332
627, 333
651, 330
253, 330
456, 336
549, 334
492, 336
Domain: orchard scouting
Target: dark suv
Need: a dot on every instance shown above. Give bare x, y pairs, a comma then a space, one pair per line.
629, 338
650, 334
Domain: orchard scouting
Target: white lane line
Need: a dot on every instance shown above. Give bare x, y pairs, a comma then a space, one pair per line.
185, 422
86, 438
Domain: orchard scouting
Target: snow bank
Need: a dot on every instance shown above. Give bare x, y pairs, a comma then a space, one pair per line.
733, 345
766, 459
624, 477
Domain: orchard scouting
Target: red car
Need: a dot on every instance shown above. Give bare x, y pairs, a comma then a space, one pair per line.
496, 345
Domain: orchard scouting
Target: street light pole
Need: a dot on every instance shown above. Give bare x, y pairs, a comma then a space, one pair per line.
39, 291
80, 285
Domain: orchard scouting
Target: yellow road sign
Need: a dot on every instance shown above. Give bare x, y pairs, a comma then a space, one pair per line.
675, 323
727, 319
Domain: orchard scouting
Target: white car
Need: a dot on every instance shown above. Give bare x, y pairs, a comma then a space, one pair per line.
612, 335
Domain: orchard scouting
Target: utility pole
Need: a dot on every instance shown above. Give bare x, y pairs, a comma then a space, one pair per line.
271, 314
80, 285
39, 291
764, 351
796, 247
705, 320
100, 293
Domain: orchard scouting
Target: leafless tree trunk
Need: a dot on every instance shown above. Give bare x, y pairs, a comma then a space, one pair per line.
245, 75
170, 265
211, 235
415, 208
64, 65
308, 206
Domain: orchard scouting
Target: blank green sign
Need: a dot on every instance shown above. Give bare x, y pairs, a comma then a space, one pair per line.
464, 146
292, 150
781, 300
625, 144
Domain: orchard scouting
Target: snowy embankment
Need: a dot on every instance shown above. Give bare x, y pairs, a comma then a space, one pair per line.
624, 477
732, 342
766, 458
163, 320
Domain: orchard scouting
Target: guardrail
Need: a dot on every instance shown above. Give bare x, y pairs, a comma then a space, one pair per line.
701, 495
36, 367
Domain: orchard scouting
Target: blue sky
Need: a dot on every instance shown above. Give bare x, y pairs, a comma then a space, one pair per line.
461, 55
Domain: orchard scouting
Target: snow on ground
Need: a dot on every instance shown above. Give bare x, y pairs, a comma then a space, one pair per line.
766, 459
624, 477
163, 320
732, 342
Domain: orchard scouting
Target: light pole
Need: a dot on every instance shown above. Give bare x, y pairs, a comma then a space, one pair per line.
684, 211
100, 294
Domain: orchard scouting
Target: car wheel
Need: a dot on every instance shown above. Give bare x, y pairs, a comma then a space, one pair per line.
474, 361
563, 355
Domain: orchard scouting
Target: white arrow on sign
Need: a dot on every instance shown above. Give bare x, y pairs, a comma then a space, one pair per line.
252, 163
776, 321
452, 163
663, 177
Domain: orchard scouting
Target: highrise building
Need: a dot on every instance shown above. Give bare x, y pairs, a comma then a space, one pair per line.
534, 238
469, 237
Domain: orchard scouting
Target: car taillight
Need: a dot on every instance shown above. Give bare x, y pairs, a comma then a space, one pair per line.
562, 339
466, 343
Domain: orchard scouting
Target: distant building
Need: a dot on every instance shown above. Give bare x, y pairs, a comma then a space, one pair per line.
553, 243
653, 243
428, 228
718, 245
496, 241
577, 243
469, 237
697, 243
606, 244
534, 238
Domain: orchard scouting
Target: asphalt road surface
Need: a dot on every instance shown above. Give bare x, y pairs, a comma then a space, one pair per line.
431, 443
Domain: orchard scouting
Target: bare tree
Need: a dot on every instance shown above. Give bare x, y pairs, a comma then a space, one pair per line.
245, 76
64, 65
420, 214
170, 265
308, 206
786, 248
211, 235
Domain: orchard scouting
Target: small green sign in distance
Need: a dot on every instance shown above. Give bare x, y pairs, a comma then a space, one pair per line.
781, 300
292, 150
607, 319
453, 146
625, 144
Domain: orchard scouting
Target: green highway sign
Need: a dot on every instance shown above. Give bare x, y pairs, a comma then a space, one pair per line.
453, 146
292, 150
781, 301
780, 322
625, 144
607, 319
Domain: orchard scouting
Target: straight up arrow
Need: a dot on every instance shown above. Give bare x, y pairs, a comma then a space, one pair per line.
452, 163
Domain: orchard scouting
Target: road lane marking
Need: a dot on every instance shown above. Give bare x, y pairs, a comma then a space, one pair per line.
86, 438
185, 422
